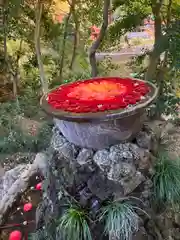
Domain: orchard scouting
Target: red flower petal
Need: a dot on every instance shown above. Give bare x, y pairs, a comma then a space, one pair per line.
27, 207
15, 235
39, 186
97, 95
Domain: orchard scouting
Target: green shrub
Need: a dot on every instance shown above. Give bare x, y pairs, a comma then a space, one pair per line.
166, 180
29, 102
106, 66
167, 100
120, 220
17, 141
74, 225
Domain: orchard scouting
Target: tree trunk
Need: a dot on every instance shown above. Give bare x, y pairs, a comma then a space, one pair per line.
75, 39
157, 23
165, 60
74, 50
16, 76
154, 57
96, 44
2, 18
44, 82
5, 30
64, 43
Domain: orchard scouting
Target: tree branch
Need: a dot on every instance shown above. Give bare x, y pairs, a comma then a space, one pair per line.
96, 44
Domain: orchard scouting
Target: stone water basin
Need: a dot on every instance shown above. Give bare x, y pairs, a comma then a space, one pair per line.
74, 108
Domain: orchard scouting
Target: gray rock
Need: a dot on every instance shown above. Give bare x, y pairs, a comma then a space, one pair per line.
177, 218
146, 194
126, 175
41, 161
85, 156
134, 149
85, 195
121, 171
144, 140
116, 156
62, 146
120, 147
144, 161
2, 171
121, 155
101, 158
10, 177
101, 187
132, 183
142, 157
141, 235
57, 140
127, 156
17, 182
69, 150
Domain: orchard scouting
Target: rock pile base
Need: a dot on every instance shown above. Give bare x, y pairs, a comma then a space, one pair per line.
90, 178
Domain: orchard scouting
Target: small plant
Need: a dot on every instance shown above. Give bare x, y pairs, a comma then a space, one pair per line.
74, 225
120, 219
167, 180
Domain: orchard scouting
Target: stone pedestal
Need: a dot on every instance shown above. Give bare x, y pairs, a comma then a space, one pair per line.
102, 134
92, 177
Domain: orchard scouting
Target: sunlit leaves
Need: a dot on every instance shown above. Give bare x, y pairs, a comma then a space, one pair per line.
125, 24
174, 44
129, 14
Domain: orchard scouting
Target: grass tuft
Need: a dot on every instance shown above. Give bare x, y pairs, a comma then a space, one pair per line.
121, 220
74, 225
167, 180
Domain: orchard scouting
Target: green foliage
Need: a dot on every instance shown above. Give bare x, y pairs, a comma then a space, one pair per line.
166, 180
174, 45
131, 15
18, 141
71, 77
120, 220
12, 136
29, 103
74, 225
106, 66
123, 25
167, 101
